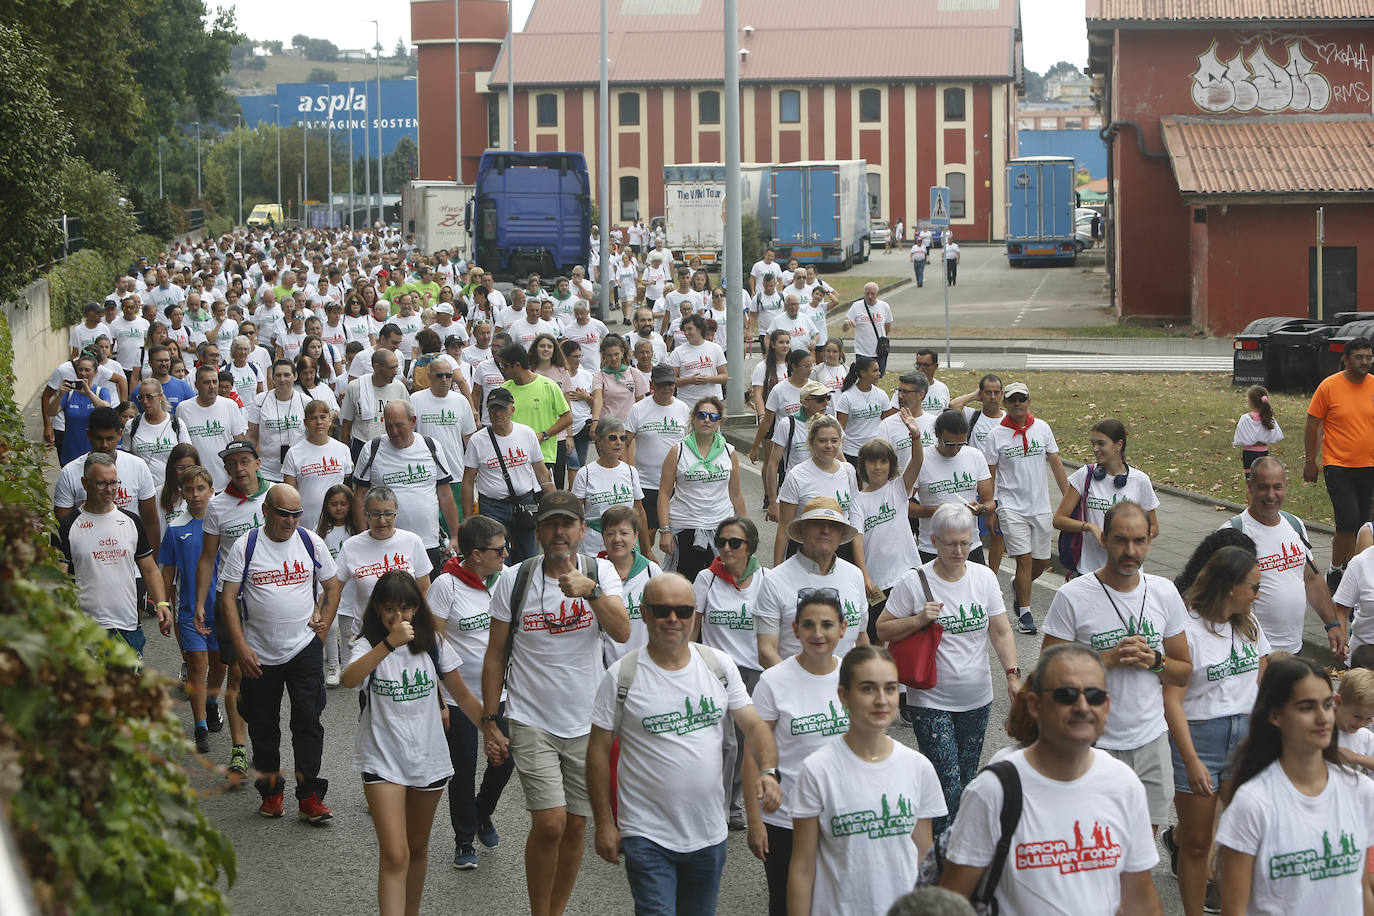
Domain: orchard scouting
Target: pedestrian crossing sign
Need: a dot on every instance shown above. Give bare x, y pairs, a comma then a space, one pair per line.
939, 205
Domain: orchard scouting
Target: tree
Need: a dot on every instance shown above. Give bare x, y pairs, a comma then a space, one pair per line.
107, 225
399, 167
28, 170
322, 75
401, 52
321, 49
300, 40
1063, 68
1035, 86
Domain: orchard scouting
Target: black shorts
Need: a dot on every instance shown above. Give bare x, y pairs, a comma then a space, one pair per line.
1350, 490
372, 779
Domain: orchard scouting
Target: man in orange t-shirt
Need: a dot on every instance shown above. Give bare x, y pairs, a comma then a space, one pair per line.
1340, 421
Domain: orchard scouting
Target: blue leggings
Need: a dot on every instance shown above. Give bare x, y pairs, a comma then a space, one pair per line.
953, 743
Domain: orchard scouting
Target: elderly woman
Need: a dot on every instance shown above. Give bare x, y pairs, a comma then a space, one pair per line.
618, 385
248, 380
610, 481
698, 488
964, 598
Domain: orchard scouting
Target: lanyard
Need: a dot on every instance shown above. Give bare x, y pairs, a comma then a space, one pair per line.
1131, 624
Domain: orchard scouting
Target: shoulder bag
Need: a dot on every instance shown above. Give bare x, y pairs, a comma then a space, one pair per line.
915, 653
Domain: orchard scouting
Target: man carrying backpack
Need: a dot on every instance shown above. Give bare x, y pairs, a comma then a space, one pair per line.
269, 579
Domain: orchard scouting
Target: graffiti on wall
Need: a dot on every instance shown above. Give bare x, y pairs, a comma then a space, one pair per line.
1257, 82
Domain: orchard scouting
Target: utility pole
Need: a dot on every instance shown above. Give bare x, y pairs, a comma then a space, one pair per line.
276, 110
734, 270
603, 174
510, 73
329, 152
348, 75
198, 160
367, 150
159, 167
457, 102
305, 168
381, 157
239, 131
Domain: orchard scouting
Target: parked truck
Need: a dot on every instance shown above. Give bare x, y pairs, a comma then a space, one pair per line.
436, 212
1040, 210
694, 206
819, 212
532, 213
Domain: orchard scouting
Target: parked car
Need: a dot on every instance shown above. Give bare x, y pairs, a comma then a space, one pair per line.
878, 232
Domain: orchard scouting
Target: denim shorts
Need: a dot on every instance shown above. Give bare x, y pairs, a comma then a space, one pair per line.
1215, 741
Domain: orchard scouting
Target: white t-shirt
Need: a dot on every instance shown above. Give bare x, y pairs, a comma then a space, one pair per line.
1250, 431
103, 550
727, 620
400, 734
803, 330
894, 429
980, 430
1067, 854
1087, 611
889, 548
280, 424
806, 481
135, 483
466, 615
784, 399
634, 600
1102, 495
363, 560
866, 331
864, 410
704, 358
776, 607
948, 480
446, 420
963, 679
278, 592
413, 472
153, 442
211, 429
756, 378
1283, 558
519, 449
231, 517
867, 814
316, 469
1225, 678
1309, 851
524, 333
246, 380
1357, 591
763, 269
556, 659
588, 337
671, 733
806, 714
128, 338
789, 435
632, 340
600, 488
656, 429
937, 397
81, 336
363, 403
1022, 475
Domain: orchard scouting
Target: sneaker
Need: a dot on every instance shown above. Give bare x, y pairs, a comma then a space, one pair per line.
202, 740
214, 722
1167, 835
312, 810
272, 804
487, 835
1211, 902
331, 676
737, 821
1026, 624
465, 857
238, 766
1333, 579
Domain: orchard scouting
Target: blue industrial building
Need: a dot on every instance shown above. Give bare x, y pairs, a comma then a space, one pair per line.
1085, 146
341, 106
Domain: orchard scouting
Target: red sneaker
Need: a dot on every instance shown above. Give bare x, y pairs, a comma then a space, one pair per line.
312, 810
271, 805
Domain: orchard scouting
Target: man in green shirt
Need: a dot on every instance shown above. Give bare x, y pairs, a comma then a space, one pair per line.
426, 289
539, 402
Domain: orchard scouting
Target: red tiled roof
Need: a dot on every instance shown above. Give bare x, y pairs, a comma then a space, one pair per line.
1226, 10
801, 40
1292, 154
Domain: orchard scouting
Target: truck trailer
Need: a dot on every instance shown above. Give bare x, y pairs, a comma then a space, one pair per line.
532, 214
694, 206
1040, 210
436, 212
819, 212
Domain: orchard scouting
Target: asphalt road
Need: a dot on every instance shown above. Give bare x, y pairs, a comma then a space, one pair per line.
286, 866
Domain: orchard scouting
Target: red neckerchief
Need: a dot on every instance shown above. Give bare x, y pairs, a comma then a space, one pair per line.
1020, 430
242, 497
719, 569
454, 567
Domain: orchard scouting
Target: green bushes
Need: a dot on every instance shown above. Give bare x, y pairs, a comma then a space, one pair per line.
80, 278
98, 803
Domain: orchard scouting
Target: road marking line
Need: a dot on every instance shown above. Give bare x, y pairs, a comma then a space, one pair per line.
1021, 314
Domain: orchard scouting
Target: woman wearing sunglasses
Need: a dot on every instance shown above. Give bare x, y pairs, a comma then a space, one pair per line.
1209, 716
610, 481
1300, 825
951, 718
699, 486
726, 592
366, 556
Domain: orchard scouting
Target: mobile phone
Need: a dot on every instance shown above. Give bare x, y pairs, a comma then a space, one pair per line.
72, 385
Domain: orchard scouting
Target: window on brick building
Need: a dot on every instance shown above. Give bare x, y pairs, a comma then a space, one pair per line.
546, 109
870, 105
954, 104
789, 106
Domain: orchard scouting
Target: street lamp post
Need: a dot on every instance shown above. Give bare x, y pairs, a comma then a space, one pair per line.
367, 150
159, 167
377, 30
510, 74
198, 160
348, 75
457, 102
329, 156
276, 109
305, 167
239, 131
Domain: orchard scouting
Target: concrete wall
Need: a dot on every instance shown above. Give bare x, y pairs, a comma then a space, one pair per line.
37, 347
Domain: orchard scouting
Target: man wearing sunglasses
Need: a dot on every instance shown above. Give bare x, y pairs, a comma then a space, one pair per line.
1082, 844
668, 712
279, 643
1136, 621
445, 415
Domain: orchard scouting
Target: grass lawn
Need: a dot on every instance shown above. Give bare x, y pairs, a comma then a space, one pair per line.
851, 288
1179, 427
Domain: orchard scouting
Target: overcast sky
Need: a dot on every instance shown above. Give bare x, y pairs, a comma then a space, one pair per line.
1053, 29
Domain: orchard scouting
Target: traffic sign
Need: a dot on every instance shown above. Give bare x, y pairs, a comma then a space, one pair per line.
939, 206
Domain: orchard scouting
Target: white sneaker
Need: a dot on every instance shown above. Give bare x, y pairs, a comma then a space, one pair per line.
331, 676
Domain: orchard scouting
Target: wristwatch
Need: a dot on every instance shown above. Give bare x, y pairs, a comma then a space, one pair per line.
1158, 666
595, 593
770, 771
488, 717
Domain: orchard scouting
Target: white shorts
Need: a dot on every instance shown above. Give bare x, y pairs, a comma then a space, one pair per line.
1025, 534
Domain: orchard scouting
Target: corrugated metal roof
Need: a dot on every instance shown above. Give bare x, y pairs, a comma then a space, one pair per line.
1293, 154
800, 41
1224, 10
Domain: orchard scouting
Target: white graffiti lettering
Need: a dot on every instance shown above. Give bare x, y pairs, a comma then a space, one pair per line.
1350, 55
1259, 83
1350, 92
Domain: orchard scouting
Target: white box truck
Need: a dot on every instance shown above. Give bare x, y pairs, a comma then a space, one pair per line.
694, 206
437, 213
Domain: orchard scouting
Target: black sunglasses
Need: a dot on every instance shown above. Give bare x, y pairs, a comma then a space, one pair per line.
732, 543
288, 513
661, 611
805, 595
1068, 696
1016, 398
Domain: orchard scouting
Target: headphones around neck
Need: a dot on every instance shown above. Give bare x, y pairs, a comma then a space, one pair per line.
1118, 480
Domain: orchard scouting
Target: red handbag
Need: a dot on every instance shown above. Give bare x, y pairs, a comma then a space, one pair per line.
915, 654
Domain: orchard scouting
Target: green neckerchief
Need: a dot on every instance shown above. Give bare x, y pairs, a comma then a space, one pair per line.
618, 373
638, 566
749, 569
717, 446
567, 295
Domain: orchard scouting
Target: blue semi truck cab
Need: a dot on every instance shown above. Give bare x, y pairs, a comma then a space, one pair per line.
1040, 210
531, 213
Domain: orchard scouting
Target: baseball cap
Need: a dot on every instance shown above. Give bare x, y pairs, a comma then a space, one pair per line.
443, 308
662, 375
1016, 388
814, 389
236, 447
560, 502
500, 396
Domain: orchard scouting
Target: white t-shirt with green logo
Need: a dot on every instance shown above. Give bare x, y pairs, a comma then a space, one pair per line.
1102, 495
777, 602
466, 615
864, 412
670, 735
153, 442
895, 431
280, 424
400, 735
807, 715
963, 679
1225, 678
806, 481
634, 600
889, 548
1309, 851
948, 480
211, 429
1022, 471
867, 813
727, 618
1087, 611
446, 420
656, 430
600, 488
